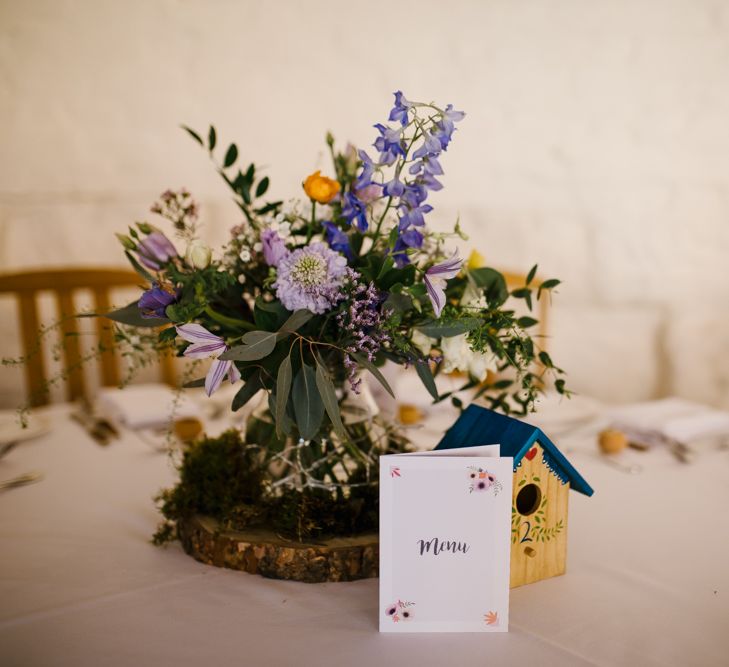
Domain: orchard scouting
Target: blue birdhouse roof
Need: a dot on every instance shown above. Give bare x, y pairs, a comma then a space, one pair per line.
481, 426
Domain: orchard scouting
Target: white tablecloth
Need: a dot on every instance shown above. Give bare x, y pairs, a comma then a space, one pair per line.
80, 583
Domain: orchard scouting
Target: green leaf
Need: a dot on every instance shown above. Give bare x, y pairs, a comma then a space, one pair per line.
283, 388
256, 345
308, 405
230, 156
546, 359
262, 186
269, 315
422, 368
329, 397
531, 274
193, 134
167, 334
439, 329
559, 386
526, 322
366, 363
493, 284
132, 316
547, 285
211, 139
297, 320
139, 268
247, 391
192, 384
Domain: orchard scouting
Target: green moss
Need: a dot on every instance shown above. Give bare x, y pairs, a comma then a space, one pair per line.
222, 479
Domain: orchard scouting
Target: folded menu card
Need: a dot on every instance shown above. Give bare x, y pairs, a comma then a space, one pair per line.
445, 521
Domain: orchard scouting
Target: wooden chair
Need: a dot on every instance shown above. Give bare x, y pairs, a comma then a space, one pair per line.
63, 283
514, 280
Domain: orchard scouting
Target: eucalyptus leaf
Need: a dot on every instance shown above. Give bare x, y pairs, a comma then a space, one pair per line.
308, 405
329, 397
363, 361
422, 368
531, 274
256, 345
297, 320
132, 316
443, 329
139, 268
252, 386
493, 284
212, 139
283, 389
193, 384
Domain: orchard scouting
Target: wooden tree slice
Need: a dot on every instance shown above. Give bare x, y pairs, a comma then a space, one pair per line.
260, 551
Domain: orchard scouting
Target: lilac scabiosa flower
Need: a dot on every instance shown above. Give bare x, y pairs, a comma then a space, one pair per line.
311, 278
155, 251
154, 302
435, 281
204, 345
274, 248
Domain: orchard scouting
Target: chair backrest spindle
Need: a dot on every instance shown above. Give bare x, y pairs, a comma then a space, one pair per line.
63, 283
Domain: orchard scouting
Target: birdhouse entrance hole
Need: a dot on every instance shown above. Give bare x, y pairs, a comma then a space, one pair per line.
528, 499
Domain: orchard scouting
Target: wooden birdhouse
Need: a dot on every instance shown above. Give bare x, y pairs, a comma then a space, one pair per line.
542, 479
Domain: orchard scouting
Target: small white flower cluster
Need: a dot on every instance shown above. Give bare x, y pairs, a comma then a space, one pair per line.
457, 354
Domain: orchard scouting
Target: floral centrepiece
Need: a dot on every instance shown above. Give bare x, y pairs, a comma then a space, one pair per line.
310, 295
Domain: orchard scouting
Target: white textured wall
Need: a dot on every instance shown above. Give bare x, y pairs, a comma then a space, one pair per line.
597, 143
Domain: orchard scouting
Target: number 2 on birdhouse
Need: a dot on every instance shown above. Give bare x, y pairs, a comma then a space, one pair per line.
526, 537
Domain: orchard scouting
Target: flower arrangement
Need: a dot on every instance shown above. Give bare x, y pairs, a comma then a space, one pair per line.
309, 295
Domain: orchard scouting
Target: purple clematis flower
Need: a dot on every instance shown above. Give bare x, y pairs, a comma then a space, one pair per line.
435, 281
204, 345
274, 248
155, 251
154, 302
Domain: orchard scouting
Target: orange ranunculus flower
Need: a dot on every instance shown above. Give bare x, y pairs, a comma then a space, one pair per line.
320, 188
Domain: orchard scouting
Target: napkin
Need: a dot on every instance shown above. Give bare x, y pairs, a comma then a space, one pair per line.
673, 419
145, 406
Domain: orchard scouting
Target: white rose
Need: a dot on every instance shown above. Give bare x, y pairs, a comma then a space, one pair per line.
242, 278
245, 255
481, 363
198, 255
457, 353
422, 342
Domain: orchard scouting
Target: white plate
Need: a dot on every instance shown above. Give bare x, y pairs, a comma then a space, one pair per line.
12, 431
